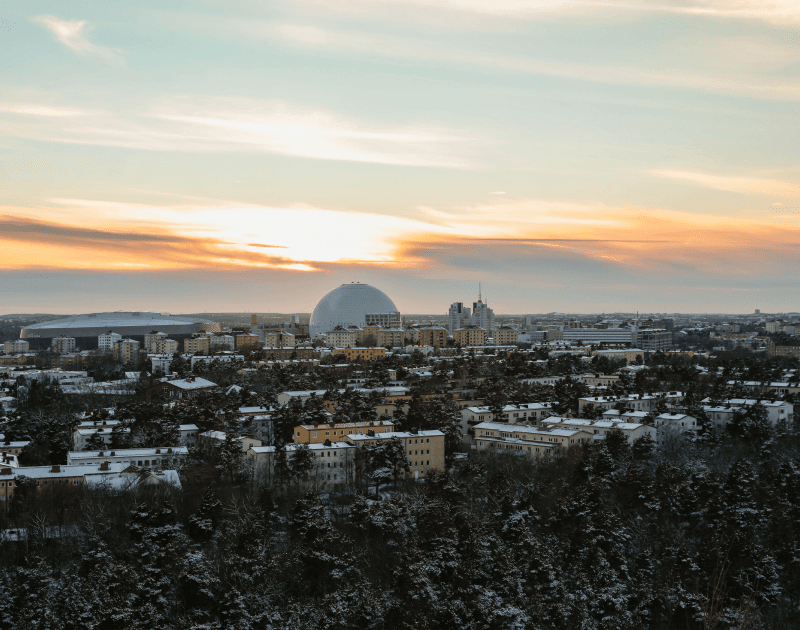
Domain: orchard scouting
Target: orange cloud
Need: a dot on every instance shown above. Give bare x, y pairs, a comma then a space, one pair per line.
110, 236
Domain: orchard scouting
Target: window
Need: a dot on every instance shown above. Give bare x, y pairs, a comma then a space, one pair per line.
428, 463
428, 452
327, 432
313, 435
428, 440
334, 432
298, 434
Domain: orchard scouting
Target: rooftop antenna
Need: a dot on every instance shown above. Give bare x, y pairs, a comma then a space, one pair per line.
479, 293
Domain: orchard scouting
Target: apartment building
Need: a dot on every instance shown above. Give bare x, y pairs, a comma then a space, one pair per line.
63, 344
435, 336
525, 413
151, 338
16, 346
391, 337
333, 462
126, 351
223, 343
505, 336
458, 316
670, 427
164, 346
106, 341
495, 437
470, 336
341, 337
188, 387
198, 345
366, 354
246, 342
601, 428
424, 449
310, 434
162, 457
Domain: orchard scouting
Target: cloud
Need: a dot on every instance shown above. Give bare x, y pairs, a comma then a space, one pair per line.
224, 125
386, 45
72, 33
651, 242
786, 12
742, 185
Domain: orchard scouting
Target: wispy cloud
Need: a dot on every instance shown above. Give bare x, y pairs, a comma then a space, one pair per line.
786, 12
387, 45
730, 183
73, 34
222, 125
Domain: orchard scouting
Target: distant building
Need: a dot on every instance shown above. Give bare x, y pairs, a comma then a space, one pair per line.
435, 336
63, 345
458, 316
505, 336
126, 351
106, 341
197, 345
470, 336
16, 346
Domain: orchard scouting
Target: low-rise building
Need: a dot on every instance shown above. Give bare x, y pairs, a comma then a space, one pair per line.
16, 346
532, 442
162, 457
341, 337
435, 336
333, 462
424, 449
188, 387
310, 434
246, 342
671, 427
601, 428
391, 337
365, 354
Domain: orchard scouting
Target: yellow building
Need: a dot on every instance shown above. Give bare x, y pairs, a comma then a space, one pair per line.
505, 336
604, 380
367, 354
164, 346
435, 336
470, 336
197, 345
392, 337
126, 351
247, 341
310, 434
629, 354
496, 437
424, 449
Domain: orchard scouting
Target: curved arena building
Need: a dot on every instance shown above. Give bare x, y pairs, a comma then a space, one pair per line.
135, 325
353, 304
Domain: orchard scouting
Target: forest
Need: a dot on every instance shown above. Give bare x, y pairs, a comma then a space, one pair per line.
607, 534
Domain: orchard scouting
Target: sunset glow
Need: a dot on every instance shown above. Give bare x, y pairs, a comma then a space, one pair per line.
422, 144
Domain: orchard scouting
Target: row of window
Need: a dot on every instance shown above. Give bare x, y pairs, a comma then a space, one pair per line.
518, 447
427, 452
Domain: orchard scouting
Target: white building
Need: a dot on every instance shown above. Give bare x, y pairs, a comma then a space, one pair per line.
63, 345
105, 342
459, 316
152, 457
671, 427
334, 462
601, 428
16, 346
482, 315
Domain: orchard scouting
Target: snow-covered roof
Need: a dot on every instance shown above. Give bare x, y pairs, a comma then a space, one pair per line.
195, 383
510, 408
516, 428
293, 447
399, 434
187, 427
128, 452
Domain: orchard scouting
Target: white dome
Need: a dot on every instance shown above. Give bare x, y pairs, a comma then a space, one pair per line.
347, 305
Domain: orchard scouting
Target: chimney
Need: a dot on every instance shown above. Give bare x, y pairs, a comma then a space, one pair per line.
104, 465
55, 469
169, 450
5, 471
113, 453
100, 454
158, 451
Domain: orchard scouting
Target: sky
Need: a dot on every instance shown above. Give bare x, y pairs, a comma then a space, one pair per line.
570, 156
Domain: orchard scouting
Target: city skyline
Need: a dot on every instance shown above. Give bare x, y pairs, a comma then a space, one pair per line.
570, 156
